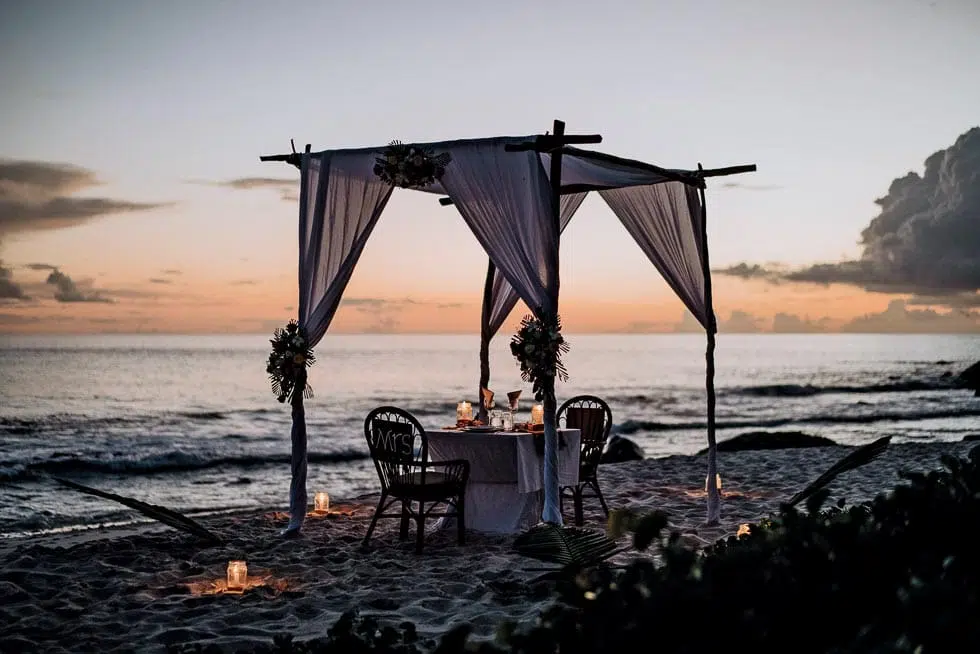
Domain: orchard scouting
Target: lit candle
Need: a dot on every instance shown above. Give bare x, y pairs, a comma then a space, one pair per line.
464, 411
537, 414
743, 530
237, 576
321, 502
717, 483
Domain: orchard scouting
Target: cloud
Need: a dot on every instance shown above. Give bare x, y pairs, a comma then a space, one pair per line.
243, 282
38, 195
160, 280
68, 291
752, 271
9, 289
741, 322
288, 188
752, 187
171, 271
955, 301
898, 318
788, 323
40, 266
926, 237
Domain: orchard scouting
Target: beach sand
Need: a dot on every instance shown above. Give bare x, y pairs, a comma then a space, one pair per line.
142, 589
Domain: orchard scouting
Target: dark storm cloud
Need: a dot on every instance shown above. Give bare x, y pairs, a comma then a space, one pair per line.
68, 291
40, 266
37, 195
926, 238
9, 289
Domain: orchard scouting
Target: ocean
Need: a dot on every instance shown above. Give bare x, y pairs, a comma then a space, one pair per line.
190, 422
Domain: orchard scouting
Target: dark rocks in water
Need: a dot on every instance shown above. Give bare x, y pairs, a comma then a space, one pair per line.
970, 378
621, 449
969, 438
944, 362
771, 440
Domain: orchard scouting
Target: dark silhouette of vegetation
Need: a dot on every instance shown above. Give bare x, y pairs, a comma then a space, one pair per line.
898, 574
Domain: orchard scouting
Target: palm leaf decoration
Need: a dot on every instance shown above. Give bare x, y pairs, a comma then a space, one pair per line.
162, 514
567, 546
859, 457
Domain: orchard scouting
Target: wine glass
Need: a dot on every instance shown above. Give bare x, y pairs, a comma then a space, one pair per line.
512, 398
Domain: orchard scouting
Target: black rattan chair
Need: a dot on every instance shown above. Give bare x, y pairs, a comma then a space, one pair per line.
400, 452
592, 417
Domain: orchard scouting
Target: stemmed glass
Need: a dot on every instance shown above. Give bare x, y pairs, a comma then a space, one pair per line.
512, 398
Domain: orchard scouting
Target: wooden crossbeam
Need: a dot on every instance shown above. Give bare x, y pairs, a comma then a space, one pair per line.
730, 170
552, 142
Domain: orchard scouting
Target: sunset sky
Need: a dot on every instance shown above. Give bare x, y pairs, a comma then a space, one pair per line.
132, 198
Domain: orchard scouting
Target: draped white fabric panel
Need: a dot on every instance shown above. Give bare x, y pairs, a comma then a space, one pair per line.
503, 297
505, 199
340, 203
665, 221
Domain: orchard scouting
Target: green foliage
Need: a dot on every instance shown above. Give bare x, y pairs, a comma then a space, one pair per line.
290, 357
538, 347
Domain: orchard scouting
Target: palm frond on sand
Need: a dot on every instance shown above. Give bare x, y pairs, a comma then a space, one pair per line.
859, 457
160, 513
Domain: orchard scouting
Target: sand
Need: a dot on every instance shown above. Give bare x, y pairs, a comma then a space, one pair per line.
140, 590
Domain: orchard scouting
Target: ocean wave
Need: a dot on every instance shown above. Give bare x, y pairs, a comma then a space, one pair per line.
163, 463
807, 390
634, 426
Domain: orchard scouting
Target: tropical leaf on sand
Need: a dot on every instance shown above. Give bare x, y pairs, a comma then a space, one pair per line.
565, 545
859, 457
159, 513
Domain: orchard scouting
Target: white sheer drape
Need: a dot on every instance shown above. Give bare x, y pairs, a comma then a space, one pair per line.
665, 220
505, 199
340, 203
502, 298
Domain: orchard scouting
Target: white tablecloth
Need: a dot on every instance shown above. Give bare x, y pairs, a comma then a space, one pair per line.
505, 493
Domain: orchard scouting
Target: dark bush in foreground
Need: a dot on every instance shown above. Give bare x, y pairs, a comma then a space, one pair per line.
900, 574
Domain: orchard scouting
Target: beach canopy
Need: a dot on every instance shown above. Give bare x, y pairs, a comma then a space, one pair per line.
516, 194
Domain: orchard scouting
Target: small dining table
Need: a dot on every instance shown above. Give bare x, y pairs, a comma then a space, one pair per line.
505, 493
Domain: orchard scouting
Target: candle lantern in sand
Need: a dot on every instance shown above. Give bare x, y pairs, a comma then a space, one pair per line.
321, 502
717, 483
743, 530
464, 411
537, 414
237, 576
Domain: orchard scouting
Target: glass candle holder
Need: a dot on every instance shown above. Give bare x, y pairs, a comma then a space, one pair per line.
464, 411
537, 414
237, 576
508, 420
321, 502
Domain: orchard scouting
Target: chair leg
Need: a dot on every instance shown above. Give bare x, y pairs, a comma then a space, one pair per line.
374, 520
579, 513
403, 530
602, 500
461, 519
420, 529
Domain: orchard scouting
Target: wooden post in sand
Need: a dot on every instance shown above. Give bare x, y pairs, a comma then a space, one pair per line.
553, 145
714, 499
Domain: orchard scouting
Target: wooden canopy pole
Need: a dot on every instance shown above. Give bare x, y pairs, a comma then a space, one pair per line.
714, 495
485, 342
